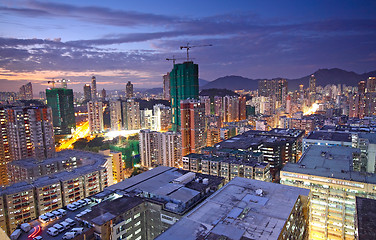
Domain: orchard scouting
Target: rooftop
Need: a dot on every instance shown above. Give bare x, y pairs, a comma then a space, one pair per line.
330, 136
237, 212
108, 210
158, 182
331, 162
90, 162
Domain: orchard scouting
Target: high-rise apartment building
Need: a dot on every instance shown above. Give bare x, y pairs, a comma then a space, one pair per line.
328, 172
242, 108
26, 132
103, 95
361, 87
87, 92
61, 102
193, 126
160, 148
183, 85
275, 89
131, 115
95, 116
26, 92
206, 101
129, 90
371, 84
24, 201
118, 166
116, 115
312, 90
166, 86
94, 93
162, 117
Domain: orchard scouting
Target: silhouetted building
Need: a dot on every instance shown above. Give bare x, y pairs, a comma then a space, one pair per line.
129, 90
166, 86
371, 84
26, 92
94, 94
87, 92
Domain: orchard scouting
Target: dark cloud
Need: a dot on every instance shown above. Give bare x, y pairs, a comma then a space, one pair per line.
99, 15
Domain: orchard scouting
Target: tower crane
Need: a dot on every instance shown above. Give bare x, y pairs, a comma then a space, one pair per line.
173, 59
53, 82
189, 47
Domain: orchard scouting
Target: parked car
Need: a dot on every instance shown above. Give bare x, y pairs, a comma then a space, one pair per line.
62, 211
52, 231
16, 234
70, 235
57, 214
72, 207
87, 200
50, 216
59, 227
25, 227
38, 238
82, 202
78, 230
70, 222
43, 219
77, 204
65, 225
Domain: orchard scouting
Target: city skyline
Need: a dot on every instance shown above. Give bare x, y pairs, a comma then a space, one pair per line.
121, 42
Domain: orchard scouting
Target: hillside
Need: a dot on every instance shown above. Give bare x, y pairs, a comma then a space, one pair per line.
323, 78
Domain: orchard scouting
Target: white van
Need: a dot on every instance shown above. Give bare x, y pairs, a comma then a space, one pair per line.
77, 230
43, 219
50, 216
65, 225
69, 235
62, 211
59, 227
82, 202
16, 234
57, 214
52, 231
77, 204
72, 207
25, 227
70, 222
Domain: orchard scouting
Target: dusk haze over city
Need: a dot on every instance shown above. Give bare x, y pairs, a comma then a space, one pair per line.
187, 120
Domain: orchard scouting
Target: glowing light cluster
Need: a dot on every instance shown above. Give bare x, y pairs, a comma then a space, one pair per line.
123, 133
312, 109
81, 132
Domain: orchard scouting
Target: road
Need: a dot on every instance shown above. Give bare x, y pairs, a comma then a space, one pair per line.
81, 132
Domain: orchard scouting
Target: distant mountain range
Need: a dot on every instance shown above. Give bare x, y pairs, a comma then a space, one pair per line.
323, 78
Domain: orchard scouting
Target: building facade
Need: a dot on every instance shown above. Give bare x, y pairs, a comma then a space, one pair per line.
61, 102
183, 85
193, 126
327, 171
27, 132
95, 116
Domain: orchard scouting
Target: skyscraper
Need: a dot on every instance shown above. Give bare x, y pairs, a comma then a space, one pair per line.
26, 92
131, 115
95, 116
183, 85
26, 132
93, 88
166, 86
371, 84
87, 92
104, 95
361, 87
193, 126
312, 84
61, 102
129, 90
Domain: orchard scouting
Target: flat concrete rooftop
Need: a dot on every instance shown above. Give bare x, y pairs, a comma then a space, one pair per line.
237, 212
331, 162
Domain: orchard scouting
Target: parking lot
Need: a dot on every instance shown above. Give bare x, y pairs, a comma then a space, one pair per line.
44, 226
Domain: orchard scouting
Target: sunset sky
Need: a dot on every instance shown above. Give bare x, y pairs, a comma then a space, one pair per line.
120, 41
